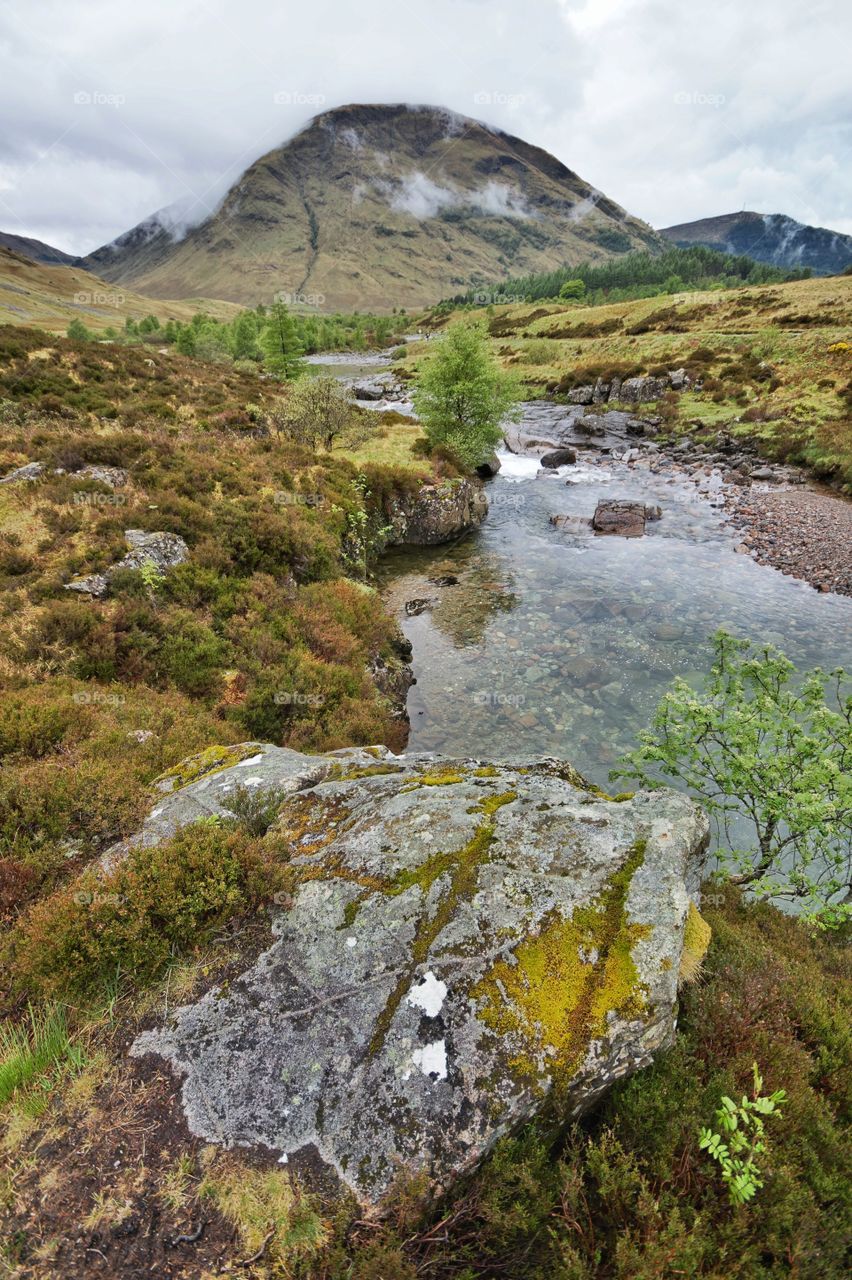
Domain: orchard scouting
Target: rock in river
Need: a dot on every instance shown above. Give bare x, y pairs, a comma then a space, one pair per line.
467, 946
623, 517
559, 458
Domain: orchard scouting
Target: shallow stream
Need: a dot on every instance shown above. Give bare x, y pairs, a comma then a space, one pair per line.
560, 642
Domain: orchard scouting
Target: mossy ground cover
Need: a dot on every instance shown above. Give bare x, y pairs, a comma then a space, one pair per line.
776, 360
258, 635
626, 1193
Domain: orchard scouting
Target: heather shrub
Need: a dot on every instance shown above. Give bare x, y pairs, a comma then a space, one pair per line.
157, 903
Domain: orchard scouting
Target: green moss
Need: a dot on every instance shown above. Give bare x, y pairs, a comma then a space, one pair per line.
435, 778
490, 804
485, 771
462, 867
367, 771
205, 763
696, 940
552, 998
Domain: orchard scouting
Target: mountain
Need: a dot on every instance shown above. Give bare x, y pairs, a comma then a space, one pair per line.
35, 250
768, 237
377, 207
50, 296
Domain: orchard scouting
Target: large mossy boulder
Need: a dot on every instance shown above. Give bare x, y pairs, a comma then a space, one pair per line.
468, 945
436, 513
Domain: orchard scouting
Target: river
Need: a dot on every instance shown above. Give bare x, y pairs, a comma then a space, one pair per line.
531, 640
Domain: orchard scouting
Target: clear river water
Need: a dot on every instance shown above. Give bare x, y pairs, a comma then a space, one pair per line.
551, 641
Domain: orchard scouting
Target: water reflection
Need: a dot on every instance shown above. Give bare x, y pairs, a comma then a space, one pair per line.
533, 640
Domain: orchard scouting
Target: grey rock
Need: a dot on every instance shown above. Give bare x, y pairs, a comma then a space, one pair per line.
436, 513
600, 391
642, 390
94, 584
679, 379
113, 477
559, 458
162, 550
399, 1022
581, 395
30, 471
489, 467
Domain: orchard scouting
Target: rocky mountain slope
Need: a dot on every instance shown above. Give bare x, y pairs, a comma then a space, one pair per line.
768, 237
376, 207
36, 250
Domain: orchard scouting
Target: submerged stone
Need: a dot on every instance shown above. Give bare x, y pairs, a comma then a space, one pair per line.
468, 945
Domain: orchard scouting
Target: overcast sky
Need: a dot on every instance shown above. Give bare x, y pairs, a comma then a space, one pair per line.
677, 110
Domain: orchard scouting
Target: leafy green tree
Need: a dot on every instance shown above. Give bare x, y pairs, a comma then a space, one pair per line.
319, 411
572, 289
185, 341
753, 743
463, 395
78, 331
244, 331
282, 349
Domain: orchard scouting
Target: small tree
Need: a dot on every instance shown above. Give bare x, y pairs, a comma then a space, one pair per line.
463, 396
78, 331
573, 290
752, 743
319, 411
282, 350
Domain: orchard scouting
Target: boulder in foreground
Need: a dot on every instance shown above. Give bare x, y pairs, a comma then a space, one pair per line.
469, 945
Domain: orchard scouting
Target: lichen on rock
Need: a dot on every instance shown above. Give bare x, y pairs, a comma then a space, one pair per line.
466, 943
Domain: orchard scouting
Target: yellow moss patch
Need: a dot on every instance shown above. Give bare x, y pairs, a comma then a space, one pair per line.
696, 940
553, 995
436, 778
204, 764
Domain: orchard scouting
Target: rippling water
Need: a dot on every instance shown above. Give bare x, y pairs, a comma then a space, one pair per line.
559, 642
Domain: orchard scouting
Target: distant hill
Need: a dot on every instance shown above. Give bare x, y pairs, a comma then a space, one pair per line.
37, 250
51, 296
768, 237
374, 207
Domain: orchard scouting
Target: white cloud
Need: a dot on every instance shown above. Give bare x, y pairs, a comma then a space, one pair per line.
675, 111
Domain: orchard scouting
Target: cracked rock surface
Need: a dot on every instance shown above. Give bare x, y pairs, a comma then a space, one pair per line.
469, 945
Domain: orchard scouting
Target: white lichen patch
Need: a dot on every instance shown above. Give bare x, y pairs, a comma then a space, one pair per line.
428, 995
252, 760
432, 1059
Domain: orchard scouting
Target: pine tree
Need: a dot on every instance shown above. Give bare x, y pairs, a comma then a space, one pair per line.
282, 350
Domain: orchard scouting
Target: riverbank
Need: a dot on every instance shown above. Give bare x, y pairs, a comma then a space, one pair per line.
802, 532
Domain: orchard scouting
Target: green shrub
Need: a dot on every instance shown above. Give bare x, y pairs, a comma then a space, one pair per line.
158, 902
